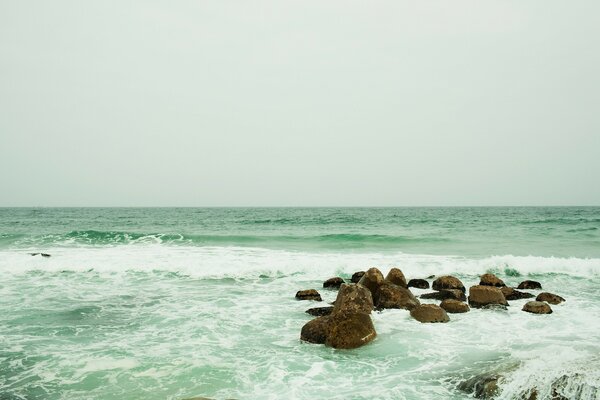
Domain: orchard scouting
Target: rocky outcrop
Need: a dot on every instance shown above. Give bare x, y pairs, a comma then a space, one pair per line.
319, 311
349, 330
396, 277
537, 307
446, 294
418, 283
484, 386
356, 276
309, 294
353, 298
372, 280
491, 280
480, 296
393, 296
512, 294
448, 282
333, 283
529, 285
429, 313
454, 306
549, 298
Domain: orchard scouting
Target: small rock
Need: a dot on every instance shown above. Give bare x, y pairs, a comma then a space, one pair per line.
484, 386
396, 277
445, 294
356, 276
333, 282
494, 307
454, 306
537, 307
549, 298
491, 280
448, 282
481, 295
372, 279
393, 296
309, 294
353, 298
529, 285
319, 311
350, 330
429, 313
418, 283
512, 294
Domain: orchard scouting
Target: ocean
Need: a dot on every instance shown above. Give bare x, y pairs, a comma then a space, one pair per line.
176, 303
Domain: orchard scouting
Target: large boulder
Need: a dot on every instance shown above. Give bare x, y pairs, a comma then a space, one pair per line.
429, 313
309, 294
393, 296
316, 330
529, 285
319, 311
448, 282
537, 307
446, 294
356, 276
480, 296
549, 298
396, 277
349, 330
512, 294
454, 306
353, 298
372, 279
333, 283
491, 280
418, 283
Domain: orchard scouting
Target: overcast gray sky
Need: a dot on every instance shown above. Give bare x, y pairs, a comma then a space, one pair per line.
222, 103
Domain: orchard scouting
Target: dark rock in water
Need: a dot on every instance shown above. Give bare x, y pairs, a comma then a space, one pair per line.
372, 279
454, 306
537, 307
33, 254
393, 296
396, 277
431, 277
333, 283
494, 307
529, 285
353, 298
316, 330
448, 282
418, 283
445, 294
491, 280
319, 311
309, 294
481, 295
429, 313
512, 294
549, 298
45, 254
483, 386
356, 276
349, 330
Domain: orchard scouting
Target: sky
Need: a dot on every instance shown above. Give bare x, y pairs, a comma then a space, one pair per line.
299, 103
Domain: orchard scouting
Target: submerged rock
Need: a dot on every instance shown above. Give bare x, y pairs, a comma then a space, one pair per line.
349, 330
549, 298
446, 294
333, 282
454, 306
529, 285
491, 280
484, 386
537, 307
309, 294
429, 313
418, 283
481, 295
353, 298
448, 282
356, 276
372, 279
512, 294
319, 311
396, 277
394, 296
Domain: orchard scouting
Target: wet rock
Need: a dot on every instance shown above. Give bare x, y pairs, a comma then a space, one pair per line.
309, 294
393, 296
491, 280
481, 295
418, 283
319, 311
349, 330
529, 285
429, 313
549, 298
316, 330
396, 277
356, 276
483, 386
454, 306
445, 294
334, 283
353, 298
537, 307
372, 279
45, 254
512, 294
448, 282
495, 307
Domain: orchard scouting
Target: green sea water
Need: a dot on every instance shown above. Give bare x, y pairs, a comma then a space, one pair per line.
172, 303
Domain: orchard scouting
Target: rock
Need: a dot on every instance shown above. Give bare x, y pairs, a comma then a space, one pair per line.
353, 298
445, 294
481, 295
372, 279
484, 386
494, 307
316, 330
418, 283
454, 306
448, 282
537, 307
396, 277
393, 296
309, 294
529, 285
349, 330
356, 276
549, 298
491, 280
333, 282
512, 294
429, 313
319, 311
45, 254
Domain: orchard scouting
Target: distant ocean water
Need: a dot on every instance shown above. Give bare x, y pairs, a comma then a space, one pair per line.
172, 303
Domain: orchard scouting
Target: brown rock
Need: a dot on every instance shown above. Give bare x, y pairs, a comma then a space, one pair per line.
372, 279
350, 330
319, 311
529, 285
334, 283
549, 298
393, 296
356, 276
512, 294
491, 280
454, 306
309, 294
480, 296
448, 282
418, 283
396, 277
353, 298
429, 313
445, 294
537, 307
316, 330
